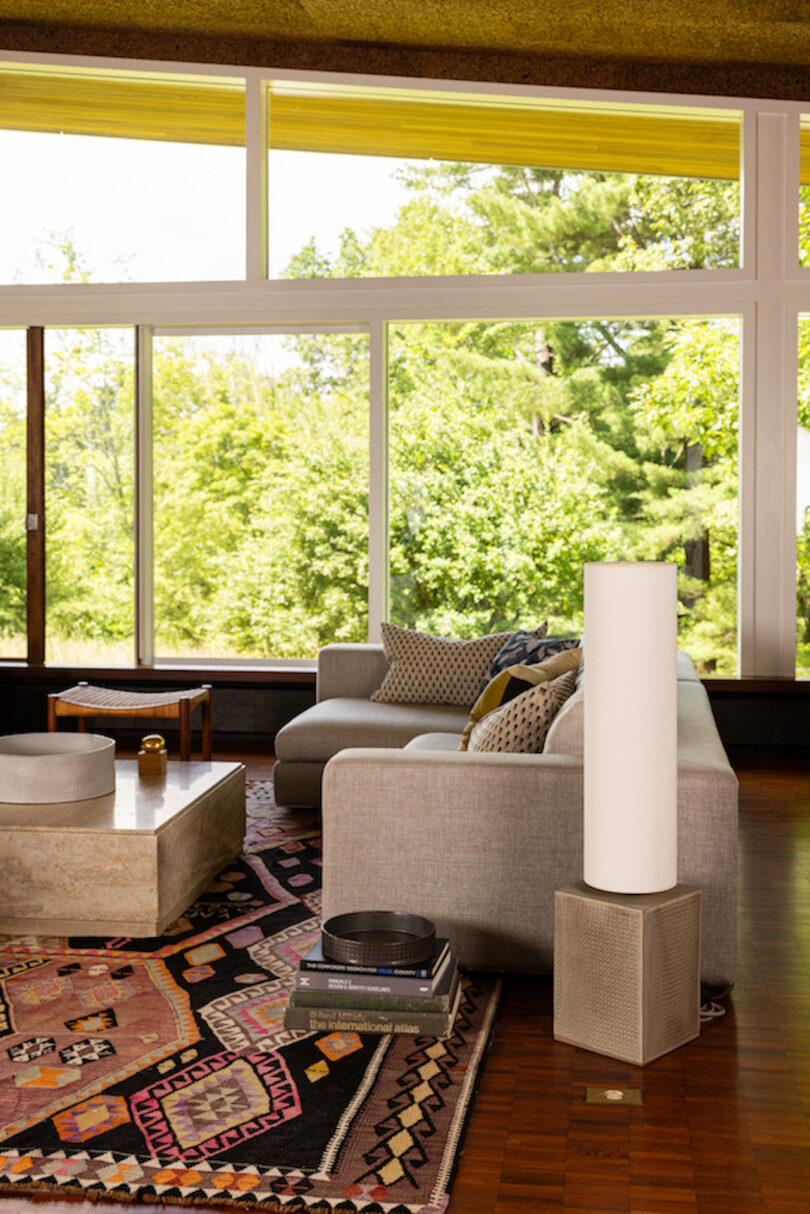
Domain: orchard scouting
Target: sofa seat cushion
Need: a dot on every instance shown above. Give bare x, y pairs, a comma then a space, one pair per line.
332, 725
434, 741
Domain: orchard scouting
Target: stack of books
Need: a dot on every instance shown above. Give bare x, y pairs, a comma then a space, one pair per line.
334, 996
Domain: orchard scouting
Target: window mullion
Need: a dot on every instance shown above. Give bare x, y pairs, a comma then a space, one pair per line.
35, 497
256, 186
771, 482
378, 480
144, 501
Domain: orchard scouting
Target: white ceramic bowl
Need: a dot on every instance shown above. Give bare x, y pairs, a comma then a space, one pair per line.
37, 768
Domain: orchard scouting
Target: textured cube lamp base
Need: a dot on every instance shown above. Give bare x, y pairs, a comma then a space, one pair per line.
626, 971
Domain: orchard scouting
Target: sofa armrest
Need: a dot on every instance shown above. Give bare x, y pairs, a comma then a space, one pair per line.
476, 842
351, 670
708, 795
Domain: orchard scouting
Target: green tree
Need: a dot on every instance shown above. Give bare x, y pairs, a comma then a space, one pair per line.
89, 467
484, 415
689, 507
12, 508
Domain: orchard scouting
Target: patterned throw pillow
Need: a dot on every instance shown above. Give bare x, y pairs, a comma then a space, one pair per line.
434, 670
513, 681
520, 726
527, 649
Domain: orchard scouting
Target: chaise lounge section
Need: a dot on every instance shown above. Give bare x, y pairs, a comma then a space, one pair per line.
344, 716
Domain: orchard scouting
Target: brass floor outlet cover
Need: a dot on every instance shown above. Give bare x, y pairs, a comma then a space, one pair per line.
614, 1096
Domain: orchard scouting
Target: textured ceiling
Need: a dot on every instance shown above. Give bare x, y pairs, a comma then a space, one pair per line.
763, 31
752, 39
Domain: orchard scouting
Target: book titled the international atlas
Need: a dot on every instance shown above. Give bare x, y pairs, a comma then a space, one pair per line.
367, 1020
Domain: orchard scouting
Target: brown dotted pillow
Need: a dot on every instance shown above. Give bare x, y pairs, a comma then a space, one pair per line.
434, 670
520, 726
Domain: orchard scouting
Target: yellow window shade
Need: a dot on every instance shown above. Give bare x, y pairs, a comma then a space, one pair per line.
378, 122
611, 139
185, 110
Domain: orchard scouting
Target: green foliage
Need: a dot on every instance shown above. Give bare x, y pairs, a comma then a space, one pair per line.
300, 578
518, 451
12, 571
89, 479
12, 505
261, 511
682, 223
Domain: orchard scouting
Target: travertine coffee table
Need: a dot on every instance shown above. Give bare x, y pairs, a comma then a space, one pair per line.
125, 864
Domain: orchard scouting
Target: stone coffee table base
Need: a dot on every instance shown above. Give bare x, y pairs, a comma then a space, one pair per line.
125, 864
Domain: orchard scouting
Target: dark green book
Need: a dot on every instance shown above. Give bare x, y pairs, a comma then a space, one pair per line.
439, 1000
368, 1020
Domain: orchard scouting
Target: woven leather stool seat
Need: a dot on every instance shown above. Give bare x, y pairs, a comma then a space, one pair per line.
85, 700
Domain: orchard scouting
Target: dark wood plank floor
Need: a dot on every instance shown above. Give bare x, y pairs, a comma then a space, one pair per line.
725, 1123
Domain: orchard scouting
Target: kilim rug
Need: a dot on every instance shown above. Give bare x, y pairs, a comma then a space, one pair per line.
159, 1070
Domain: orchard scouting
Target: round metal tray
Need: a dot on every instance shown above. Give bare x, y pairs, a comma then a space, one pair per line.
379, 938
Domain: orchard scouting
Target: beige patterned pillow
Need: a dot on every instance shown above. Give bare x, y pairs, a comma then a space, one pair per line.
434, 670
520, 726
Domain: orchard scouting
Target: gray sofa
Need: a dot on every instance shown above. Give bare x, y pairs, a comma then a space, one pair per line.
478, 842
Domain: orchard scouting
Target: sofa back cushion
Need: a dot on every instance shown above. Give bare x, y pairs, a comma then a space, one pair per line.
566, 730
565, 737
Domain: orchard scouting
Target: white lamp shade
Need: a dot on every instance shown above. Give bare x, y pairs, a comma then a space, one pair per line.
631, 727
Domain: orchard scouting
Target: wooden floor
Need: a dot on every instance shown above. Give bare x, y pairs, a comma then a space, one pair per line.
725, 1123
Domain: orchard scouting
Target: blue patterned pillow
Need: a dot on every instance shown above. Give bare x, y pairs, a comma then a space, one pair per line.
526, 649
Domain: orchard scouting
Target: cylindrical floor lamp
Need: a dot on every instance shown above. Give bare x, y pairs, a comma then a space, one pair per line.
631, 726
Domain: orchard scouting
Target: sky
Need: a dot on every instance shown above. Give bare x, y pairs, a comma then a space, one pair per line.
174, 212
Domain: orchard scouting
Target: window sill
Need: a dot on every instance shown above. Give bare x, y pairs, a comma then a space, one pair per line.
190, 676
756, 685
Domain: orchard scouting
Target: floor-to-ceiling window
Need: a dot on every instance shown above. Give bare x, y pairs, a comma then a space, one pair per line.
322, 351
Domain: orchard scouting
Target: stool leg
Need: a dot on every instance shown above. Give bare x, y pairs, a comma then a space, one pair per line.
52, 724
207, 727
185, 731
81, 722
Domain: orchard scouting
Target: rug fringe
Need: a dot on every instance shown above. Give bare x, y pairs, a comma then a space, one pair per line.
97, 1196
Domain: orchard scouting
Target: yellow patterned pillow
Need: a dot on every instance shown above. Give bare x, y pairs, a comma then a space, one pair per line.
520, 726
513, 681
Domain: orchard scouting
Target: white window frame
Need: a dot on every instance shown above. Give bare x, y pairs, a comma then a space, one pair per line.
768, 292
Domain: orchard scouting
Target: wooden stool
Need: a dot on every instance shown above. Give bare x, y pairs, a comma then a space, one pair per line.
84, 701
